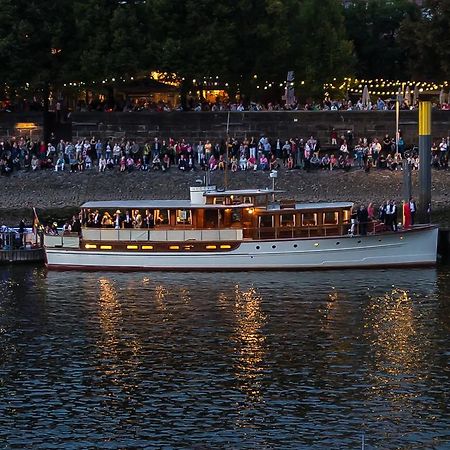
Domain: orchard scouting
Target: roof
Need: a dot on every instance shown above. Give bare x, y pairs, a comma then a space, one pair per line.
247, 192
318, 205
156, 204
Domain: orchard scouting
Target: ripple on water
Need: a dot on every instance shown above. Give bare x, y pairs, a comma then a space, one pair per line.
248, 360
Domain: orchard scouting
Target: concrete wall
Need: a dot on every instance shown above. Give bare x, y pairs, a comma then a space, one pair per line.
209, 125
283, 124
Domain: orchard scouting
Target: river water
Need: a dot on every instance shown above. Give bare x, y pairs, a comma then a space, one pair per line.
302, 360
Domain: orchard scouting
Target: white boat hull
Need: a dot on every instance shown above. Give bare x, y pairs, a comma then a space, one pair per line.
417, 246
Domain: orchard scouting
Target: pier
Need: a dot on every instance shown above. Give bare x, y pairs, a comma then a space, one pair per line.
15, 249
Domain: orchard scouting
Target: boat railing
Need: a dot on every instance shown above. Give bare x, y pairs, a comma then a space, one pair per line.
324, 230
161, 235
72, 240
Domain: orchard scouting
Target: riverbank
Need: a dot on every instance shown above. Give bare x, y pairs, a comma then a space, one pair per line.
63, 192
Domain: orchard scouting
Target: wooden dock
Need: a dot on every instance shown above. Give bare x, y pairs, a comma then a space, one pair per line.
32, 255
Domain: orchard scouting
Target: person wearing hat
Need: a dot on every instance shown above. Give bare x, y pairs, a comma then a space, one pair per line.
117, 220
107, 221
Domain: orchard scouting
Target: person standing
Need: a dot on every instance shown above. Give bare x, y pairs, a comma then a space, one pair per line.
412, 210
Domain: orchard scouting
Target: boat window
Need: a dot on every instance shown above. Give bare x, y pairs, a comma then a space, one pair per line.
236, 215
309, 219
162, 216
330, 218
211, 218
266, 221
184, 217
260, 200
218, 200
287, 220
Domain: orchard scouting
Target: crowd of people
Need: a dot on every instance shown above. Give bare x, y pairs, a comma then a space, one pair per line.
254, 154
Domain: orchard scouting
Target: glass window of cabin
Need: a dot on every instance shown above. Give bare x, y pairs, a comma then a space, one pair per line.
260, 200
236, 215
330, 218
184, 217
309, 219
211, 218
266, 221
162, 217
287, 220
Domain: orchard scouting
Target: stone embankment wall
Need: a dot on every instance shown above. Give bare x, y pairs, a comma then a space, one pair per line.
208, 125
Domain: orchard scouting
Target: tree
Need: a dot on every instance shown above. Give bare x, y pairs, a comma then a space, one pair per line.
425, 40
373, 27
321, 49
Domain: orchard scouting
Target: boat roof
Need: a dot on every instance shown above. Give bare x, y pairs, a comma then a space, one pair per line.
123, 205
247, 192
308, 206
324, 205
157, 204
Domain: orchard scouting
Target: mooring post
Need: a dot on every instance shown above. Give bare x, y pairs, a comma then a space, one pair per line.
424, 207
407, 184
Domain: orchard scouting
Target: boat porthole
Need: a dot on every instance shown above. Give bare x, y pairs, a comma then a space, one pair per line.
258, 247
379, 240
316, 244
337, 243
401, 238
274, 246
359, 242
295, 245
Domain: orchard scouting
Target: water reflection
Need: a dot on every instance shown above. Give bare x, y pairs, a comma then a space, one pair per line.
305, 360
249, 341
119, 352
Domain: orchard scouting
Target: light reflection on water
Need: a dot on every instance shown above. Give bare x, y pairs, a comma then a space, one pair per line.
249, 360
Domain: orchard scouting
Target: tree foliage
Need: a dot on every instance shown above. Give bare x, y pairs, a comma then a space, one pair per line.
44, 42
426, 41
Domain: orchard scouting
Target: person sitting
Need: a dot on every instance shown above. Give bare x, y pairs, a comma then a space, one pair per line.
290, 162
139, 164
156, 163
110, 163
263, 162
123, 164
102, 164
251, 163
325, 162
221, 163
243, 163
165, 162
273, 163
59, 166
333, 161
212, 163
87, 162
34, 163
315, 161
182, 163
234, 164
80, 163
130, 164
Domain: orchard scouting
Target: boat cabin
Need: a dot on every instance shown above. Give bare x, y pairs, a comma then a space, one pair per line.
212, 217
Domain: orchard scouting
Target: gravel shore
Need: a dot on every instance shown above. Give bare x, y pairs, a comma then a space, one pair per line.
50, 191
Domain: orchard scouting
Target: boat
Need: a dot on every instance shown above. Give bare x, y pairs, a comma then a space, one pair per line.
233, 230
